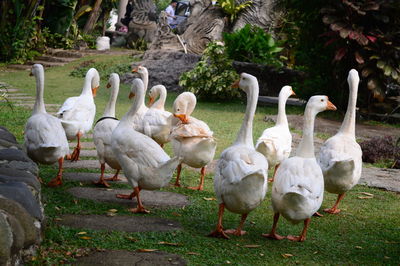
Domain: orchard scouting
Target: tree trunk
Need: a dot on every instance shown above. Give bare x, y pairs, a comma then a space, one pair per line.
94, 15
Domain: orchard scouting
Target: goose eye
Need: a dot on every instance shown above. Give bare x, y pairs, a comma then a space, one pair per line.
178, 109
322, 100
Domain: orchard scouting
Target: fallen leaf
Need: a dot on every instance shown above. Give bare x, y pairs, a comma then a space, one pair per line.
367, 194
209, 198
176, 214
111, 214
85, 237
132, 239
227, 262
68, 253
386, 257
82, 233
252, 246
57, 208
192, 253
146, 250
287, 255
364, 197
358, 247
58, 219
109, 189
261, 254
75, 201
80, 183
113, 210
169, 243
315, 252
252, 222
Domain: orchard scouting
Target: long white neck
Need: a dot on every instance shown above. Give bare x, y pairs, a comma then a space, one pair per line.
145, 79
110, 108
306, 146
349, 123
39, 106
138, 102
159, 104
281, 119
87, 85
245, 135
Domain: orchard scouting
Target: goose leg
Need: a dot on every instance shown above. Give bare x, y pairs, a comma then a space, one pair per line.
273, 234
273, 177
334, 209
57, 181
77, 150
201, 185
127, 196
219, 232
115, 177
238, 231
178, 175
102, 181
301, 237
140, 208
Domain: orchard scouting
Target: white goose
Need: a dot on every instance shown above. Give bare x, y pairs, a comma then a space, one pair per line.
45, 139
340, 157
298, 190
77, 113
191, 138
276, 142
157, 121
144, 162
102, 133
241, 180
144, 75
137, 119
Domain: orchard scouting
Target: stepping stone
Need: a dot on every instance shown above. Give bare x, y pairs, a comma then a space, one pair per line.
388, 179
88, 153
121, 223
90, 177
123, 257
12, 97
8, 90
158, 199
84, 145
84, 164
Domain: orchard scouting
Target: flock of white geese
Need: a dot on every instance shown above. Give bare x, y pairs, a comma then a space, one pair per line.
135, 145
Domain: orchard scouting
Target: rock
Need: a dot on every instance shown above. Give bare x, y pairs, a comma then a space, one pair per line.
7, 136
20, 193
88, 153
123, 257
388, 179
158, 199
32, 233
122, 223
84, 145
84, 164
90, 177
17, 159
30, 181
6, 240
17, 232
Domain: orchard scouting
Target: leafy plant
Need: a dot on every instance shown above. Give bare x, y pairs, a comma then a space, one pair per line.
232, 8
104, 69
252, 44
382, 149
213, 75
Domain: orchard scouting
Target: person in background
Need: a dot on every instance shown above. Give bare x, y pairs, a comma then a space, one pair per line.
170, 10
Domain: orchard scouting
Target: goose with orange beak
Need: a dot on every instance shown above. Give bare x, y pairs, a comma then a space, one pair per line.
191, 138
77, 113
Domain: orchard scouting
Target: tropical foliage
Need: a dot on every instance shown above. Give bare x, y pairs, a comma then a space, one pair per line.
231, 8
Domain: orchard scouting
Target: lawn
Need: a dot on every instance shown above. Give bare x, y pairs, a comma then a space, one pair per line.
366, 232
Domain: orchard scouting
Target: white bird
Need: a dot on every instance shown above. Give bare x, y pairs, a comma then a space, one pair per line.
298, 190
77, 113
144, 75
241, 175
340, 157
45, 138
157, 121
276, 142
102, 133
137, 119
191, 138
144, 162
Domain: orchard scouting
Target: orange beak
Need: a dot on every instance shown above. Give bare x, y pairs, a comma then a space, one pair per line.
293, 93
330, 106
136, 69
235, 84
108, 85
182, 117
94, 91
151, 101
131, 95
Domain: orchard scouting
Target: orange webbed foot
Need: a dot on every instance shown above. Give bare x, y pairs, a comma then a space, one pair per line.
296, 238
317, 214
75, 154
273, 236
55, 182
271, 180
332, 210
114, 178
218, 234
139, 210
235, 232
101, 183
200, 188
126, 196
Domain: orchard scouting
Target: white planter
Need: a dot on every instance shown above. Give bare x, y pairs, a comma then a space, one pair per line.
103, 43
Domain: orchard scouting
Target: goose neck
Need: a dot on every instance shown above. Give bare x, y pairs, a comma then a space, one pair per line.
281, 119
39, 106
160, 103
306, 146
349, 121
110, 108
138, 102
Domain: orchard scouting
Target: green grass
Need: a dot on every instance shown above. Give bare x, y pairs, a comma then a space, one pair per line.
366, 232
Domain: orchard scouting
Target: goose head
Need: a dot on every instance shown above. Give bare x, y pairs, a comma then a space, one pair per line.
154, 92
113, 80
353, 79
94, 78
246, 82
141, 70
136, 88
36, 69
286, 92
319, 103
184, 106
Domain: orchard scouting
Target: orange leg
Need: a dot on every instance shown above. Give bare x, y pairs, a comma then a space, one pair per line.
317, 214
219, 231
201, 185
140, 208
115, 177
302, 237
127, 196
273, 234
101, 181
57, 181
273, 177
77, 150
238, 231
178, 175
334, 209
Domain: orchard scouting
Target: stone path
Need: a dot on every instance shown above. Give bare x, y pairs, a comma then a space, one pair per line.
84, 164
122, 258
90, 177
157, 199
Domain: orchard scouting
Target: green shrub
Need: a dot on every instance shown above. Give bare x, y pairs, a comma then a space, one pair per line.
252, 44
104, 69
232, 8
213, 75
